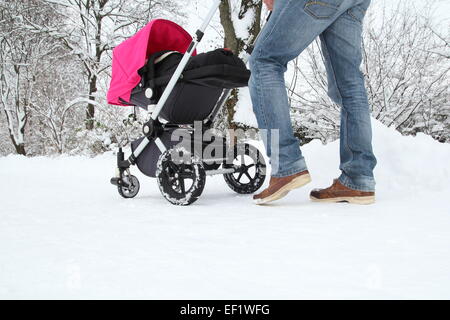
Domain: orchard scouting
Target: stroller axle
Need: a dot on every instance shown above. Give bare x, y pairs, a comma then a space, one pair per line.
118, 182
220, 171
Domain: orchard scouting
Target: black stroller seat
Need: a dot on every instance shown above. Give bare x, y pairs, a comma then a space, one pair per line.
197, 90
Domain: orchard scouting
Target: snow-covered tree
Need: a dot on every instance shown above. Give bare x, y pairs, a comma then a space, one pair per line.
21, 54
66, 65
314, 114
407, 68
406, 65
241, 22
90, 30
54, 115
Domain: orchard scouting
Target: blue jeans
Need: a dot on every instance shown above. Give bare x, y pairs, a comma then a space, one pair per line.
293, 26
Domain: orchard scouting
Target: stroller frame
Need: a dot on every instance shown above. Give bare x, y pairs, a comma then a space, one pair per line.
153, 128
150, 128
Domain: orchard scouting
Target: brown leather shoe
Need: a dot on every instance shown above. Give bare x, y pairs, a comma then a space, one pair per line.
280, 187
340, 193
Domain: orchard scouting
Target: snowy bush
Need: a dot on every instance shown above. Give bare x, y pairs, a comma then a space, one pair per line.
406, 65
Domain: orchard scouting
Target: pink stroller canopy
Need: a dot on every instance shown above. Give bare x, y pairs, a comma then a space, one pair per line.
132, 54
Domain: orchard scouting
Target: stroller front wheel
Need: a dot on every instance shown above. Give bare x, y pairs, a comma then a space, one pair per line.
181, 181
133, 187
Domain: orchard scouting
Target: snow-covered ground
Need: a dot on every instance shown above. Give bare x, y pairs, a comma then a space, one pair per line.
66, 233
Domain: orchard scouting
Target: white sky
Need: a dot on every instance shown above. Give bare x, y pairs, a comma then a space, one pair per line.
441, 12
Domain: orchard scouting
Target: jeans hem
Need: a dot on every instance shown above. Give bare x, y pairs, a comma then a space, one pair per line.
365, 184
296, 167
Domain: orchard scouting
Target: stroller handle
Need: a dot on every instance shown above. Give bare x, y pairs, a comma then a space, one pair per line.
184, 61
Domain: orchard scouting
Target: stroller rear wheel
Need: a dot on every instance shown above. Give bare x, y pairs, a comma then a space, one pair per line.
251, 169
181, 181
133, 187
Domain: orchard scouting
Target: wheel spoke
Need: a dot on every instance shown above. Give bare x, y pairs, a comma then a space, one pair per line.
167, 173
188, 173
172, 166
240, 176
181, 181
248, 176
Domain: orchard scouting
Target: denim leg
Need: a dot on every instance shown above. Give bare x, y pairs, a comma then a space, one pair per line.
341, 44
293, 26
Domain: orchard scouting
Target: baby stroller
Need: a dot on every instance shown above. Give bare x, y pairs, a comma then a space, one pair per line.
158, 69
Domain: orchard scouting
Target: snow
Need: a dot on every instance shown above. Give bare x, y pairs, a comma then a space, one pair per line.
243, 24
66, 233
244, 111
196, 13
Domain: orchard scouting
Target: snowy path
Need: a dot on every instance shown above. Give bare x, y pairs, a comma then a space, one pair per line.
65, 233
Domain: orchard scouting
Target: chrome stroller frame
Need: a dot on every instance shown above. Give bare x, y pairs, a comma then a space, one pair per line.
127, 184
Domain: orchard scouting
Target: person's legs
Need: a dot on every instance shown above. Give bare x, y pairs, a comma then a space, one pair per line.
293, 26
341, 44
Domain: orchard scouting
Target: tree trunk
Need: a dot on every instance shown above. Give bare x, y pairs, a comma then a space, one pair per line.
19, 116
99, 49
236, 44
20, 149
231, 41
90, 110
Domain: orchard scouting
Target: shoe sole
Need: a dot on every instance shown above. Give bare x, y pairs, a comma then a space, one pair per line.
353, 200
283, 191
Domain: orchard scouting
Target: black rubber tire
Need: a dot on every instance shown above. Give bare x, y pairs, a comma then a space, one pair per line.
165, 176
126, 192
257, 180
